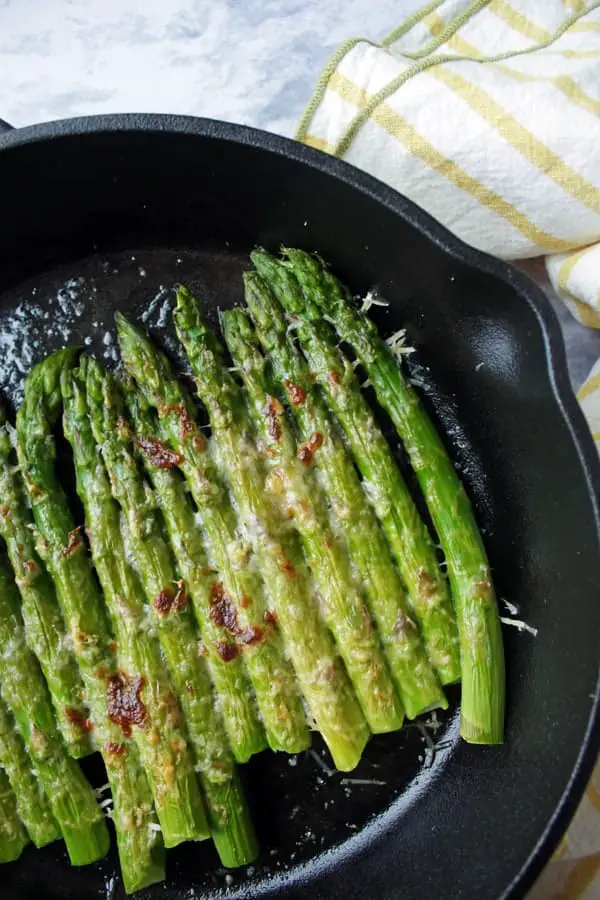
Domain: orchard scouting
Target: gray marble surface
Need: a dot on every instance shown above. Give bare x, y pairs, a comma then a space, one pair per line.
250, 61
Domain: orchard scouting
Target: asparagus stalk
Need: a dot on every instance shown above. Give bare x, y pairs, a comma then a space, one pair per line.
481, 651
321, 676
32, 804
112, 696
161, 741
44, 624
278, 556
240, 600
407, 534
300, 494
13, 837
229, 819
238, 704
366, 542
276, 547
24, 692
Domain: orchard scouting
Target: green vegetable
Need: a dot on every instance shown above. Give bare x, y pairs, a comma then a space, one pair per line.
407, 534
160, 737
241, 592
481, 651
277, 552
32, 805
13, 837
237, 456
384, 591
64, 552
24, 692
44, 624
236, 697
300, 494
310, 646
229, 819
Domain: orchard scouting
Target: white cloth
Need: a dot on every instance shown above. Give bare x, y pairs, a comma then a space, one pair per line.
486, 114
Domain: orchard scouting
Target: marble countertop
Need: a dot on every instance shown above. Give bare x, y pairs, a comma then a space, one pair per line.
249, 61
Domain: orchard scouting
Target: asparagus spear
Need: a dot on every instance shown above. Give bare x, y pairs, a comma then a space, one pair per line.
300, 495
32, 804
13, 837
229, 819
24, 691
239, 601
368, 548
277, 548
407, 534
112, 696
482, 656
238, 704
321, 676
161, 741
44, 624
278, 559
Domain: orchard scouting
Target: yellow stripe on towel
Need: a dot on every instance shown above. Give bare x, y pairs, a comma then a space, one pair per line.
520, 138
399, 128
519, 22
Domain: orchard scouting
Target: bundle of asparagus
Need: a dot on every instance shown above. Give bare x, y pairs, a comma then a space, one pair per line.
229, 592
481, 653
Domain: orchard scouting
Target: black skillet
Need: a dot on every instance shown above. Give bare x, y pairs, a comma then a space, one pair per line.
106, 213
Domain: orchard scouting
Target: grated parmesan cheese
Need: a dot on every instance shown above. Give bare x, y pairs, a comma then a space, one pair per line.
513, 610
397, 345
519, 625
321, 763
372, 299
362, 781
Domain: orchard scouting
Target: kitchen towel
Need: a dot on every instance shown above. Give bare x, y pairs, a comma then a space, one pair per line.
487, 115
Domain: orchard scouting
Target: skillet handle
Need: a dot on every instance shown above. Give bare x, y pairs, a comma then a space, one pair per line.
4, 126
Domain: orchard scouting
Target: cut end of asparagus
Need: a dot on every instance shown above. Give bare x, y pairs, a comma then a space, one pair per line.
483, 685
86, 845
490, 731
13, 837
243, 753
153, 871
11, 848
449, 674
348, 753
232, 830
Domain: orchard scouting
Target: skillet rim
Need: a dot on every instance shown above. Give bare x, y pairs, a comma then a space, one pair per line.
556, 363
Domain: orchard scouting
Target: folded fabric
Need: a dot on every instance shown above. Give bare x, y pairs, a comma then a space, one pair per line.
487, 115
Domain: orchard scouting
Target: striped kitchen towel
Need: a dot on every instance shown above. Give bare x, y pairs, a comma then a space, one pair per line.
487, 115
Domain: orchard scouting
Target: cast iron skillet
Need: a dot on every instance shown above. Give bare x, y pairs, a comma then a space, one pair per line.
97, 215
